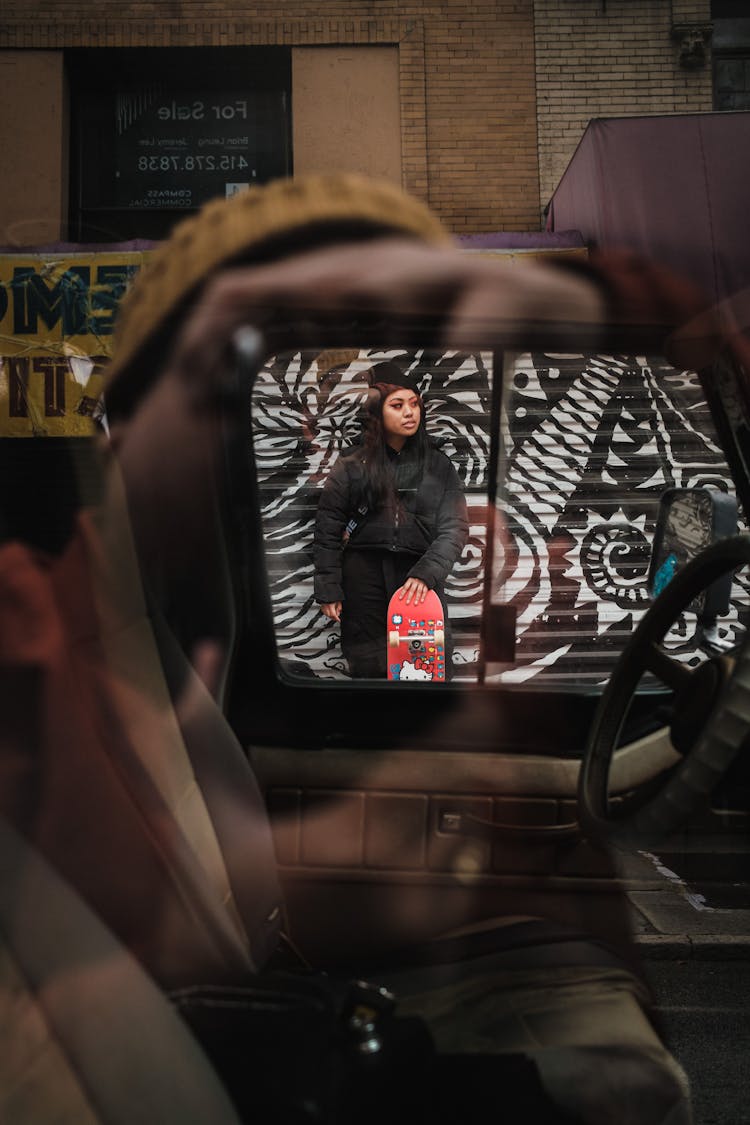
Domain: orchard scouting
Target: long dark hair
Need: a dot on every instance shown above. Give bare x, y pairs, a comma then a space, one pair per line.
379, 484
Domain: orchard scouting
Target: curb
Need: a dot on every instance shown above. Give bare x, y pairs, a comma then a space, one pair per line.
697, 947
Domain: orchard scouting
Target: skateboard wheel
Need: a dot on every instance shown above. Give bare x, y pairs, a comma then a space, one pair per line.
439, 637
393, 638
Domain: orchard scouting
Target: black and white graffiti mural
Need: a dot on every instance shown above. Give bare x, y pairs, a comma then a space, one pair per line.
589, 443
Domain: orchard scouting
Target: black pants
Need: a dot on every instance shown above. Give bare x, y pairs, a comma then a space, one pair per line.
370, 579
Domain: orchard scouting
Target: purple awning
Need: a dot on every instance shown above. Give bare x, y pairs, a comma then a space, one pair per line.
522, 240
673, 188
135, 244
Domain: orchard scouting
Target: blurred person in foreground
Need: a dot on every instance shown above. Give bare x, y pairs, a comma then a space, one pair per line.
293, 261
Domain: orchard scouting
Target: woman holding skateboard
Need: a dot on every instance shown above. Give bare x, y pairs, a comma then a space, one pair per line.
392, 517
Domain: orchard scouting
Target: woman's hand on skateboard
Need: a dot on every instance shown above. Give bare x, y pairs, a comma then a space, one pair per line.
413, 590
331, 610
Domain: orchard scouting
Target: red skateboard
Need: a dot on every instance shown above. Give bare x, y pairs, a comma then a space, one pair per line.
416, 639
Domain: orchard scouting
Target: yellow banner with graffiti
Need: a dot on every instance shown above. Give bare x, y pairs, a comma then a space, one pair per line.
57, 313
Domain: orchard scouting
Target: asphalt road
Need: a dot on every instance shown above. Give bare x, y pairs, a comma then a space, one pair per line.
705, 1006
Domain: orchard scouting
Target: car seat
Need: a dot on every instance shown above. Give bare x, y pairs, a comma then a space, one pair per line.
85, 1035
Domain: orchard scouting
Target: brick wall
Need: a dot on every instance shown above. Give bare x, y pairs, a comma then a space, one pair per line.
481, 83
609, 58
466, 78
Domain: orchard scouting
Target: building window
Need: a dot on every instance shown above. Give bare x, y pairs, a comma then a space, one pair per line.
157, 132
731, 54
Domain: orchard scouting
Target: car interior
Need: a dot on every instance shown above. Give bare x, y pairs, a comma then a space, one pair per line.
208, 784
465, 793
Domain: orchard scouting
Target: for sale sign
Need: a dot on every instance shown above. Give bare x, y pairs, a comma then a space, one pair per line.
175, 151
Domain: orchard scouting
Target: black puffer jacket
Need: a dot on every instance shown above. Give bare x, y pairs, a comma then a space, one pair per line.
430, 521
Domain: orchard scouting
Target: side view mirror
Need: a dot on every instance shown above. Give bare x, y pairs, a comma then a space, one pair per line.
689, 520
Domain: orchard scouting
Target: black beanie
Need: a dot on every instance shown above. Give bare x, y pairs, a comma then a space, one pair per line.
390, 372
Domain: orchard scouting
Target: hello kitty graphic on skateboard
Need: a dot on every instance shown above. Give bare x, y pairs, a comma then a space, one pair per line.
416, 640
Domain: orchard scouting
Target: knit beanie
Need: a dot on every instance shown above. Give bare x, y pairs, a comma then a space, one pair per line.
260, 225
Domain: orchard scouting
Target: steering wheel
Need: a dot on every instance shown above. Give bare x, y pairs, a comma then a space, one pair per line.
710, 741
